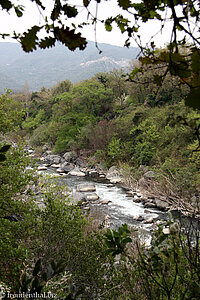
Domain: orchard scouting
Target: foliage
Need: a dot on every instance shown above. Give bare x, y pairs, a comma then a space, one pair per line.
10, 115
118, 240
47, 244
115, 149
167, 268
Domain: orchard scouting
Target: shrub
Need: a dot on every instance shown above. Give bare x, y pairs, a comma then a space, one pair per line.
144, 153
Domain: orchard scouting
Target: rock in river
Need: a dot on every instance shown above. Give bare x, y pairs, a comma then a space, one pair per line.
86, 187
76, 172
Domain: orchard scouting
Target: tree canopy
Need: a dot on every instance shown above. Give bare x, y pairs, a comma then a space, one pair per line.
181, 58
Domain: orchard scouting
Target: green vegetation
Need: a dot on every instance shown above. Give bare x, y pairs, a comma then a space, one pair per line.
47, 243
132, 124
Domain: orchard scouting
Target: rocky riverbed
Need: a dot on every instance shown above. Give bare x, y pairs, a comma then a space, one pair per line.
104, 192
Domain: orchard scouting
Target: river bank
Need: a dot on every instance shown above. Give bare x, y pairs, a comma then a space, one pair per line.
111, 199
71, 164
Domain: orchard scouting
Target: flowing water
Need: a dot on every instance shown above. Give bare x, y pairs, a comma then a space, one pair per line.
121, 208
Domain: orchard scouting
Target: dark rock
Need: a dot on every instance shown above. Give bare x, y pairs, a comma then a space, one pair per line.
149, 205
129, 194
161, 204
55, 159
139, 218
67, 168
70, 156
93, 173
136, 200
104, 202
80, 162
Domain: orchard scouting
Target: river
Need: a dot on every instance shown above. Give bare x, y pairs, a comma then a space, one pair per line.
121, 208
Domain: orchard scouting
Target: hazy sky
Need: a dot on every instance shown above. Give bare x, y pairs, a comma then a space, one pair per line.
109, 8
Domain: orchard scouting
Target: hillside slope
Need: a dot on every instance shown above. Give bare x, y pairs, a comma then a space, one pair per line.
47, 67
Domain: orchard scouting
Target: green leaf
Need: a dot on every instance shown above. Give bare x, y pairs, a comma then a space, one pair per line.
108, 25
127, 240
69, 38
125, 4
28, 40
19, 11
37, 267
6, 4
56, 10
47, 42
86, 3
70, 11
38, 2
193, 98
5, 148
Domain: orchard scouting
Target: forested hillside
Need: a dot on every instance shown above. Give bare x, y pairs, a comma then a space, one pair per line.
118, 122
46, 68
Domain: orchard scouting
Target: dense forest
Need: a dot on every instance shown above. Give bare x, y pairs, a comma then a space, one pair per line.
118, 122
109, 120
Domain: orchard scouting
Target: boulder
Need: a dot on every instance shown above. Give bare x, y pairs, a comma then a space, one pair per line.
70, 156
55, 159
76, 172
86, 208
149, 205
86, 187
77, 196
56, 166
136, 200
66, 167
102, 176
113, 172
93, 173
129, 194
166, 230
149, 220
109, 185
92, 197
163, 205
80, 162
138, 218
104, 202
115, 180
41, 168
59, 170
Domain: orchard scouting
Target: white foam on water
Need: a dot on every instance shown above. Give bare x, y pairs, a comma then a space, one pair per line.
117, 197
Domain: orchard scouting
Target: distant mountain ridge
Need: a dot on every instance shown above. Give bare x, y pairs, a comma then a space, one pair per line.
47, 67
